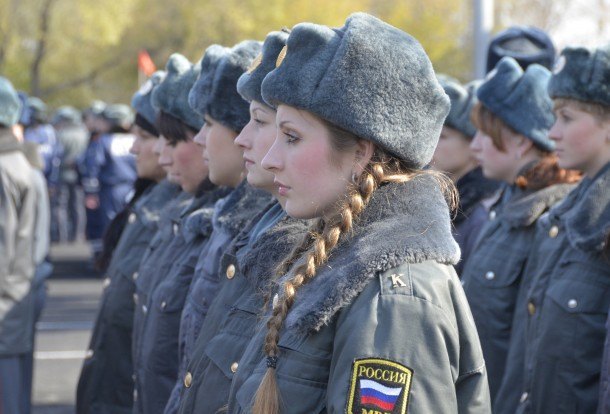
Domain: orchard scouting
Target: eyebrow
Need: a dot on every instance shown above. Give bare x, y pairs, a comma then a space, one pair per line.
281, 124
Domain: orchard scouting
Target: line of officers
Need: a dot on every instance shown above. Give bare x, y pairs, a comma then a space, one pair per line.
194, 251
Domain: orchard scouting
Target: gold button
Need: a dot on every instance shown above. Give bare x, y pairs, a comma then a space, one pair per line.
234, 366
135, 276
492, 214
572, 303
553, 232
188, 380
135, 298
490, 275
163, 304
523, 397
176, 228
132, 218
531, 308
144, 309
135, 395
230, 271
89, 354
106, 282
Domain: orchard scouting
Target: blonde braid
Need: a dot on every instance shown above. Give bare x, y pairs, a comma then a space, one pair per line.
315, 247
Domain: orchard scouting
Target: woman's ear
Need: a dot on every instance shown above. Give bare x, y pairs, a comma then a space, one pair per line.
524, 145
364, 152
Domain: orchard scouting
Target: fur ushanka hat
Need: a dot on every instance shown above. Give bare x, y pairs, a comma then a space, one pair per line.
142, 99
520, 100
215, 92
582, 74
171, 95
463, 100
366, 77
10, 105
249, 84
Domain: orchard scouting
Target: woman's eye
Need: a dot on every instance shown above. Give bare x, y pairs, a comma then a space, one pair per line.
290, 138
259, 122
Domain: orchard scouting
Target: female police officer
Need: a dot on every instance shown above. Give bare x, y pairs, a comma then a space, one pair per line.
369, 315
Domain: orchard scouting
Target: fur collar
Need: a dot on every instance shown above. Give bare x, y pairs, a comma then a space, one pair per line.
473, 187
525, 208
403, 223
197, 217
235, 210
586, 212
149, 208
8, 142
274, 245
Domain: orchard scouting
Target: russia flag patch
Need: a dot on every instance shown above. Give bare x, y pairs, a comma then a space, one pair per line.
379, 386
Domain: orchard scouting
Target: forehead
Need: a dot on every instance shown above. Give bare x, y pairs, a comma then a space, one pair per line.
299, 117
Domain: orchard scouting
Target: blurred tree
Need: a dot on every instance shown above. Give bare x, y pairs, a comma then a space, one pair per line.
73, 51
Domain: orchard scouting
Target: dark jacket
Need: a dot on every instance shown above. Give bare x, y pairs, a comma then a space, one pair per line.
106, 383
493, 274
567, 305
158, 312
471, 214
232, 317
230, 216
17, 221
386, 312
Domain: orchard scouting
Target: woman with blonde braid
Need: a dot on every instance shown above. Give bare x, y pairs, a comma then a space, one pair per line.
366, 315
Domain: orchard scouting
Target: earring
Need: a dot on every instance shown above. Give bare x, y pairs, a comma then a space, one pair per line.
354, 178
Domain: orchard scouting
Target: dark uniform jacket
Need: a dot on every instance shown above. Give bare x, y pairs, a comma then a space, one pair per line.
246, 269
471, 215
493, 274
17, 221
231, 214
566, 305
384, 325
106, 383
158, 311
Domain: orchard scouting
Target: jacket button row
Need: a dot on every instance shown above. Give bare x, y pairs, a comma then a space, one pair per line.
234, 366
531, 308
135, 276
553, 232
132, 218
230, 271
490, 275
188, 380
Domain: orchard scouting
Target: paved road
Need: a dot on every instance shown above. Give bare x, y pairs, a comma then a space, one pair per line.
64, 329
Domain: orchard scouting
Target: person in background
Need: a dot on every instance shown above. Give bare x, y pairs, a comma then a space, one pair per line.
96, 125
454, 157
70, 210
17, 225
559, 355
525, 44
109, 167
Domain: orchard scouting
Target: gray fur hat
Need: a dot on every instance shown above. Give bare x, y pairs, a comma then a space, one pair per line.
582, 74
118, 115
463, 100
10, 105
216, 88
67, 114
141, 100
249, 84
520, 99
366, 77
202, 88
171, 95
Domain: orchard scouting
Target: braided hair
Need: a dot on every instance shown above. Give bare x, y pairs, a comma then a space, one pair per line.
316, 246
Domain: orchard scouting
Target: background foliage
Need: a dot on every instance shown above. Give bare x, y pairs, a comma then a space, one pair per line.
74, 51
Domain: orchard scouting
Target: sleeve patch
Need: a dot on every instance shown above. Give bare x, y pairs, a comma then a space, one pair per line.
379, 386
